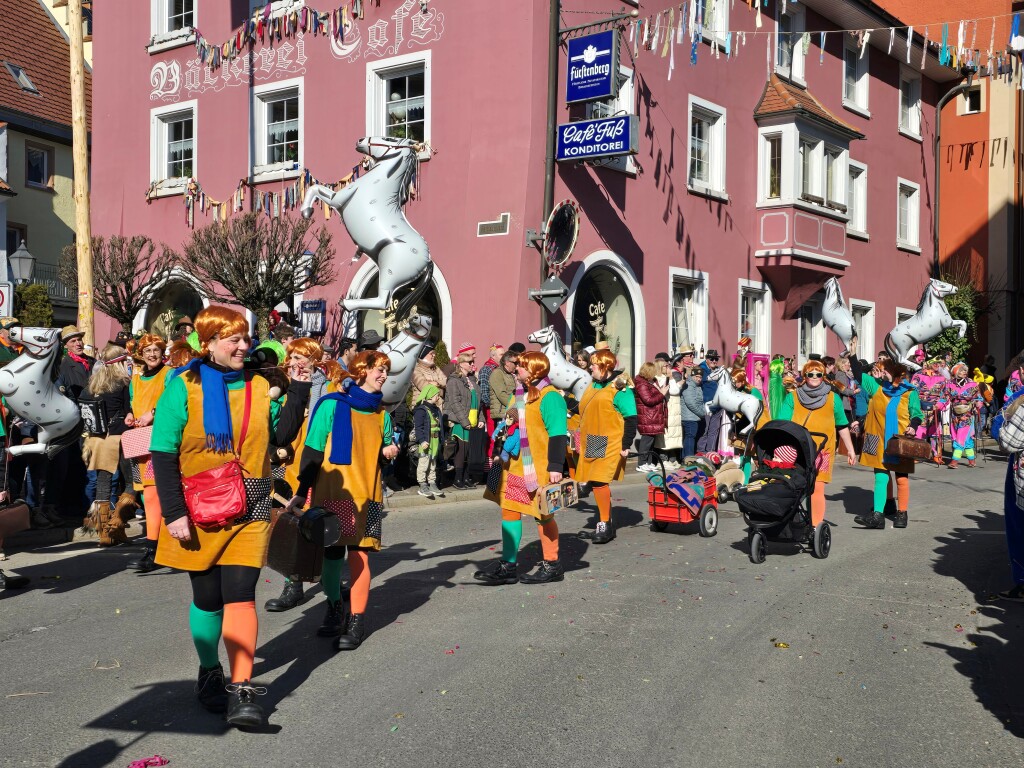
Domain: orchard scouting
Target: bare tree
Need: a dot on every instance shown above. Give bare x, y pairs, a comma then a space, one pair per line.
256, 262
126, 272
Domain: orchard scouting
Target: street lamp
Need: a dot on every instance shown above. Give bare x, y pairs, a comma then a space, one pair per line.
23, 264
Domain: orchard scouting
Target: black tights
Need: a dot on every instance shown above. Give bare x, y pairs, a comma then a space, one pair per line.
214, 587
461, 458
103, 479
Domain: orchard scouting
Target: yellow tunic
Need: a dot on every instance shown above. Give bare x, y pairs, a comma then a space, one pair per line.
601, 430
245, 541
512, 492
823, 421
145, 394
873, 453
353, 491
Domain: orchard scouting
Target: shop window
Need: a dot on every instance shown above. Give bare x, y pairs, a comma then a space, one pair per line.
603, 311
398, 97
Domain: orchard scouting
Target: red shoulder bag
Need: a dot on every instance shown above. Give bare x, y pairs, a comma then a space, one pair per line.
215, 497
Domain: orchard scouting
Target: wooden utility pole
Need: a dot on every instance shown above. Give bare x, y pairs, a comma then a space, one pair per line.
80, 152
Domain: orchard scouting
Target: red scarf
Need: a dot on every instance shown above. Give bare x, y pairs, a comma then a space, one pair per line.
78, 359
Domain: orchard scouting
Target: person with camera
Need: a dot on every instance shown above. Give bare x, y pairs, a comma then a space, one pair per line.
541, 421
213, 428
894, 409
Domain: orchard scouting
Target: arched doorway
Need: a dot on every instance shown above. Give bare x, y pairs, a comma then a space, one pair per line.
436, 304
174, 300
605, 304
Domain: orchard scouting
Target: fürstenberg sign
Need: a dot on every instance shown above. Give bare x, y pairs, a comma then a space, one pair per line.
606, 137
592, 67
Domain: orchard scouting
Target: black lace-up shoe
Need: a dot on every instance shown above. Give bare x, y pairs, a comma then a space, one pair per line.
548, 570
334, 619
210, 689
871, 520
354, 634
243, 711
291, 596
500, 572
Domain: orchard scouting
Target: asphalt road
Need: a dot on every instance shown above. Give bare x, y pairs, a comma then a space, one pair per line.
660, 649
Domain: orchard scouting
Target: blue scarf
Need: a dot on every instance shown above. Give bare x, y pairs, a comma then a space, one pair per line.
216, 409
892, 415
341, 429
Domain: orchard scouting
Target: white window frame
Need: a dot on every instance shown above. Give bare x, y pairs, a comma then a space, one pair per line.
904, 313
866, 336
910, 128
817, 340
795, 71
858, 102
624, 103
963, 105
913, 241
835, 158
276, 6
262, 95
159, 117
163, 38
717, 118
720, 29
376, 98
701, 284
765, 166
857, 209
763, 339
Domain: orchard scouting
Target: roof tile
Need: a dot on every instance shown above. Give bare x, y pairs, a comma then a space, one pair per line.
30, 39
780, 97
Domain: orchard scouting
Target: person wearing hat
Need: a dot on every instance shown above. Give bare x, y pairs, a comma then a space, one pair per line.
708, 441
426, 372
502, 384
76, 366
8, 349
462, 407
370, 340
284, 333
517, 347
183, 328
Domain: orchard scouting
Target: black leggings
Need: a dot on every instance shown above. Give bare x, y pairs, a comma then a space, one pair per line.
214, 587
103, 479
461, 458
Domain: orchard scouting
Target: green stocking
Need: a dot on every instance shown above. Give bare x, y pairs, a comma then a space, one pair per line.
206, 630
511, 535
881, 490
330, 578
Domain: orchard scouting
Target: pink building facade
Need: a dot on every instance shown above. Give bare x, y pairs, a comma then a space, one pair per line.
759, 174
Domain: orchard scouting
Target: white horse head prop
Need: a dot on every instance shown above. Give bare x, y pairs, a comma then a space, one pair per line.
732, 400
29, 383
836, 315
931, 319
403, 351
563, 374
371, 207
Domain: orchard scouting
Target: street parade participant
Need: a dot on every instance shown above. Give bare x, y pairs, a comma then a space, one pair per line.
931, 390
541, 417
608, 419
817, 407
214, 415
304, 358
739, 421
341, 463
1008, 430
107, 390
893, 409
144, 391
965, 403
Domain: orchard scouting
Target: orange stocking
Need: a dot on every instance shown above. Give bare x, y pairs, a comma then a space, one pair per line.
154, 516
902, 492
358, 580
548, 532
603, 497
818, 503
240, 630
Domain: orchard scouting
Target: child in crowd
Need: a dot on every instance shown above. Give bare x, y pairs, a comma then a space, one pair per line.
429, 434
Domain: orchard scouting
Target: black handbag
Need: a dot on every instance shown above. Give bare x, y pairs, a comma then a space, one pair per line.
94, 417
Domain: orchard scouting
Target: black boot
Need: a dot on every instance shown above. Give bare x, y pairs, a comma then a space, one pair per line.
353, 636
334, 619
871, 520
889, 510
291, 596
900, 520
501, 572
548, 570
460, 479
243, 711
210, 689
144, 564
603, 533
12, 582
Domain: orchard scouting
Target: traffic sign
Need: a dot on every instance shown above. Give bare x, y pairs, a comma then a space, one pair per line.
552, 294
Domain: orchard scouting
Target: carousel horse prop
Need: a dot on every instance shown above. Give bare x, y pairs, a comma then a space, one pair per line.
403, 351
29, 384
564, 375
931, 319
371, 210
732, 400
837, 316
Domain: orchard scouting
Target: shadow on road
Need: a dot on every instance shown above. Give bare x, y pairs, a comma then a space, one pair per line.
991, 658
88, 566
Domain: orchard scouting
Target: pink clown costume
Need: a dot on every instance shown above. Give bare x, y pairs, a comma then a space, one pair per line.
931, 389
965, 402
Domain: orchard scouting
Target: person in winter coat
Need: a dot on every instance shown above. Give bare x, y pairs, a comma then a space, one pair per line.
652, 415
429, 428
502, 384
462, 407
484, 377
426, 372
692, 409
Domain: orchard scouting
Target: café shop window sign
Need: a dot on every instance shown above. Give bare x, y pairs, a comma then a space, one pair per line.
592, 67
606, 137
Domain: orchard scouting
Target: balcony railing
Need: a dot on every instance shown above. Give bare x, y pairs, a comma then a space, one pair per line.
46, 274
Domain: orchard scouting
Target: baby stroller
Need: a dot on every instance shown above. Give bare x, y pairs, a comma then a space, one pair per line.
776, 504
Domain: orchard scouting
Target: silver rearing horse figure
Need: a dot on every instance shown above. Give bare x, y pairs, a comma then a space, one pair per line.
371, 209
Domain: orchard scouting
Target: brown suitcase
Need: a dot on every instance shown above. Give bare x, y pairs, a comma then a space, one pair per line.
290, 553
908, 448
14, 518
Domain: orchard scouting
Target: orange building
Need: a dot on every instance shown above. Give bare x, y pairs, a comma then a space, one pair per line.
981, 224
